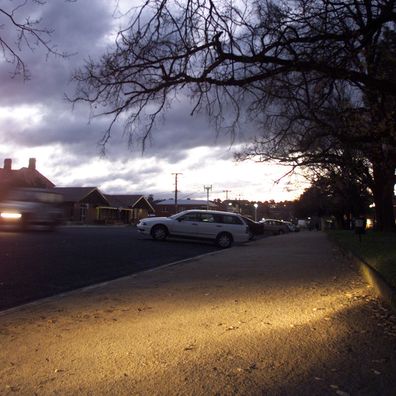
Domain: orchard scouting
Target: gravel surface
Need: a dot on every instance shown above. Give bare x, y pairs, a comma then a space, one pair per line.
284, 315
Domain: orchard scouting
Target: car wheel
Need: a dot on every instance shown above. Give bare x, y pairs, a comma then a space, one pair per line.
224, 240
159, 232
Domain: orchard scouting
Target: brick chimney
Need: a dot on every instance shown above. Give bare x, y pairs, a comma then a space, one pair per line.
32, 163
7, 164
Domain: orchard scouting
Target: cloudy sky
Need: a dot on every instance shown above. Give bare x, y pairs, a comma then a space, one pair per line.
37, 121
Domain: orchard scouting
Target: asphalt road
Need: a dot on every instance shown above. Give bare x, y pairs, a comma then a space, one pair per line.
38, 264
282, 316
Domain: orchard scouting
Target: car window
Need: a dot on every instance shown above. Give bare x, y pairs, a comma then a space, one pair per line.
190, 217
228, 219
207, 218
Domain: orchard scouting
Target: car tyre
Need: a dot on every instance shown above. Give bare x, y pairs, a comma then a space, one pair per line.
159, 232
224, 240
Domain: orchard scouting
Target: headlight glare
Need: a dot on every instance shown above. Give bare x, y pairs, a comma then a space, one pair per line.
10, 215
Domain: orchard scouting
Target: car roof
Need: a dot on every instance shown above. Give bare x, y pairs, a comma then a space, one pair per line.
209, 211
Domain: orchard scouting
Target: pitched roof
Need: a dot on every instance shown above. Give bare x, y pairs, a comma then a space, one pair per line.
123, 201
126, 200
24, 177
76, 194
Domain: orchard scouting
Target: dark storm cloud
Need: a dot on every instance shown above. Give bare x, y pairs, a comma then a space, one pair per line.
118, 177
79, 30
179, 131
82, 29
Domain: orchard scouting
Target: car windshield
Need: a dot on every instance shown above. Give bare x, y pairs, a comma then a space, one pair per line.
176, 215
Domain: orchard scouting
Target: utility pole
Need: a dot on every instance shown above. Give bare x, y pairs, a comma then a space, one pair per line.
176, 175
207, 188
226, 192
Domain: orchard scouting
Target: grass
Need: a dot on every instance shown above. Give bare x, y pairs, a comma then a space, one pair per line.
378, 249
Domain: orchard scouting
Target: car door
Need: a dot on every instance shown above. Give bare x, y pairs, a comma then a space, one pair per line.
235, 226
186, 225
208, 226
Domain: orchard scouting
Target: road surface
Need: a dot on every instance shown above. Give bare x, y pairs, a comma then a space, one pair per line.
38, 264
281, 316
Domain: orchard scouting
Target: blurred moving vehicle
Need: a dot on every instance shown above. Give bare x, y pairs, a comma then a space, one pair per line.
275, 227
25, 208
222, 227
255, 227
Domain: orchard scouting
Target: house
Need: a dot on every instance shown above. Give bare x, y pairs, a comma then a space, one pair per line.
24, 177
81, 204
167, 207
127, 209
88, 205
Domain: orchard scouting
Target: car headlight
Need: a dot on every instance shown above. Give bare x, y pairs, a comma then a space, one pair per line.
10, 215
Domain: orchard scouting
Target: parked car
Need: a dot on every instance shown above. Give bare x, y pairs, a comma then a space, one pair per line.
292, 227
301, 223
222, 227
275, 227
26, 208
255, 227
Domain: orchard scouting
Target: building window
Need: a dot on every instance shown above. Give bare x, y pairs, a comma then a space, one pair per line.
83, 211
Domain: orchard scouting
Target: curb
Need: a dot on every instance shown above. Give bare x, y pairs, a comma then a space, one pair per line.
381, 287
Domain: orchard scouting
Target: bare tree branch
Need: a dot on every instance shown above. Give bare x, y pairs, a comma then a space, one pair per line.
18, 31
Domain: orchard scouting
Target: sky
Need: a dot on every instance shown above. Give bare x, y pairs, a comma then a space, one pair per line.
36, 121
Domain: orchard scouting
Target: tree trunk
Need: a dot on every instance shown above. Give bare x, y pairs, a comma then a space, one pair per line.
384, 181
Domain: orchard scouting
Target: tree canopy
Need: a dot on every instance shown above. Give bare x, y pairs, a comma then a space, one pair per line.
321, 70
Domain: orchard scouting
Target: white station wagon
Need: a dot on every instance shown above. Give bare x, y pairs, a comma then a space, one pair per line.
222, 227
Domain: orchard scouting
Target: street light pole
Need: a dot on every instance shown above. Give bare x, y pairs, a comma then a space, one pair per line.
255, 211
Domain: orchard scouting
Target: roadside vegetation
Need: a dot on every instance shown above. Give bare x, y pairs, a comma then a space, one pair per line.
378, 249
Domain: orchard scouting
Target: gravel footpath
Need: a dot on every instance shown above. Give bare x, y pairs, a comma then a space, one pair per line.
283, 315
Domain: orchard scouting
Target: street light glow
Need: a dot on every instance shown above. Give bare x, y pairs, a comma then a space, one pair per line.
255, 211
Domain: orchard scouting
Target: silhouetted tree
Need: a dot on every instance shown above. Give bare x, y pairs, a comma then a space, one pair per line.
236, 56
334, 194
329, 127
